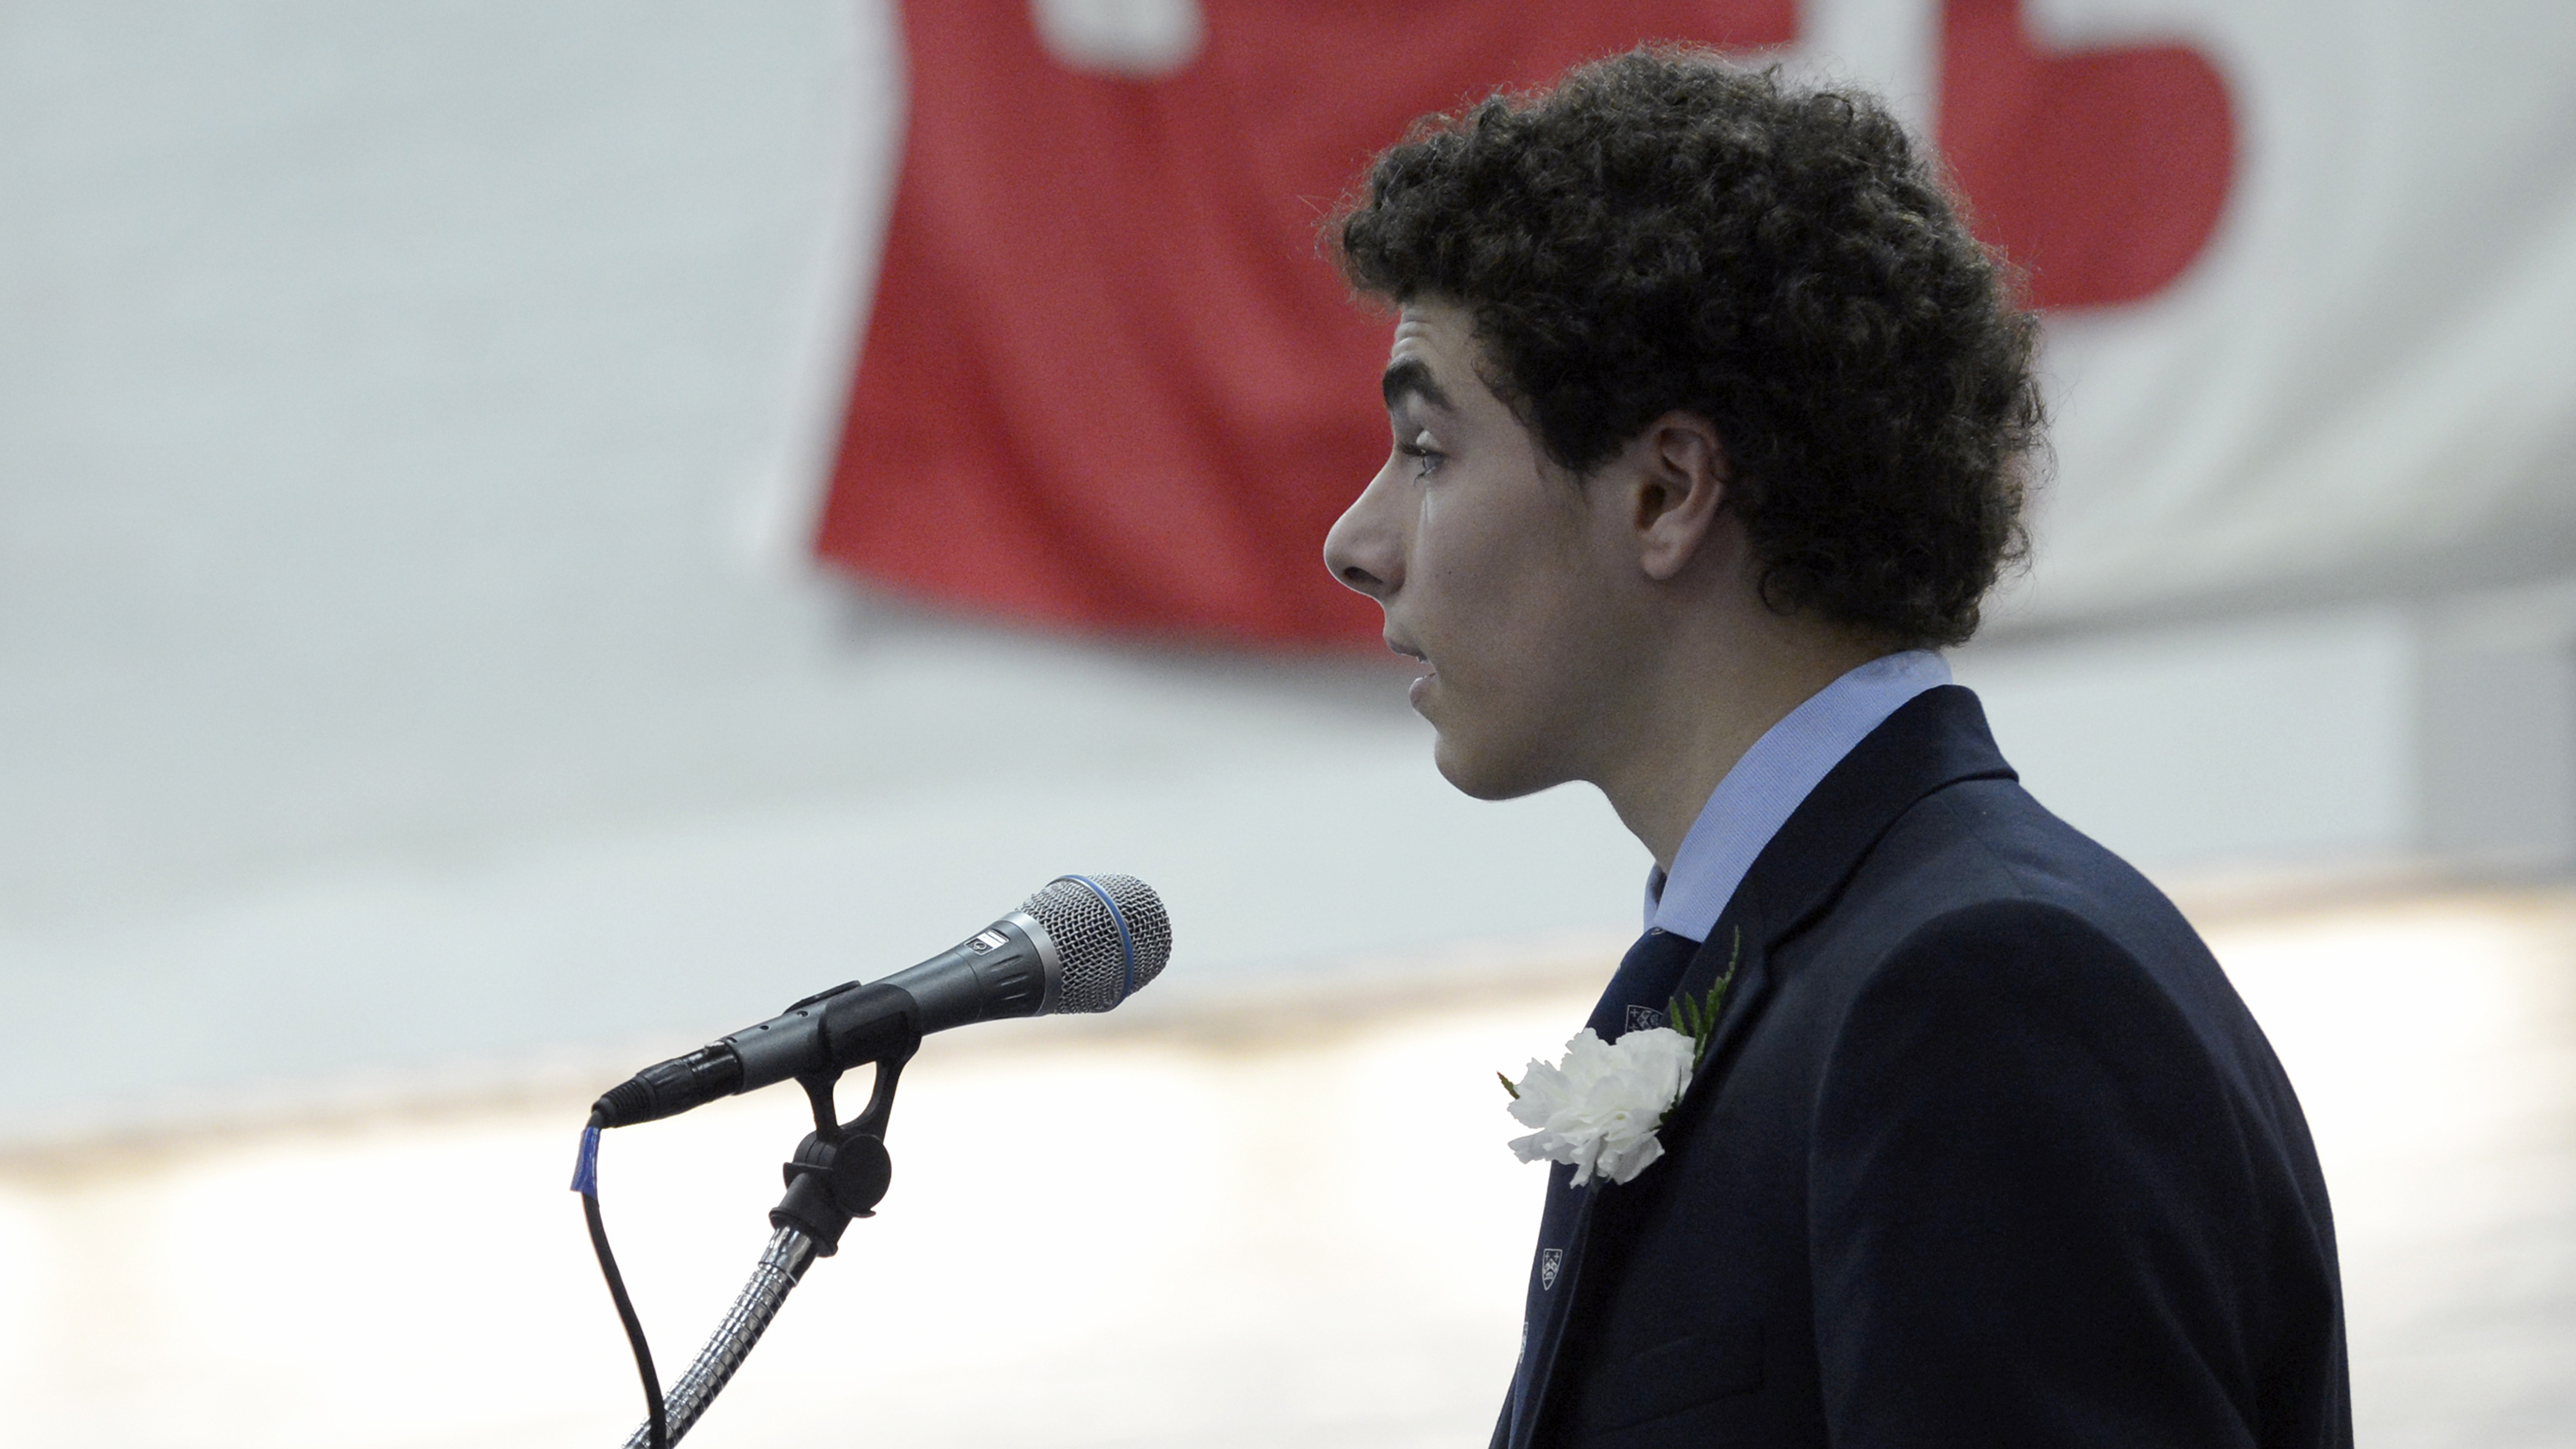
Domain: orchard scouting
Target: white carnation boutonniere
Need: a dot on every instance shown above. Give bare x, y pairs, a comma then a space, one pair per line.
1598, 1109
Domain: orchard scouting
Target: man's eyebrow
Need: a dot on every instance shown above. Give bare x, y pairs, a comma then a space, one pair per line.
1412, 376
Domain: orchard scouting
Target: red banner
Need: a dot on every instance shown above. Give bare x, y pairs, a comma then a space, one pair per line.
1110, 382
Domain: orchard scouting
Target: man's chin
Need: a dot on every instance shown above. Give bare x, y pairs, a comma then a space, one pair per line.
1480, 775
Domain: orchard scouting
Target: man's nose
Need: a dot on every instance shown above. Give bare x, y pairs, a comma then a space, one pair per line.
1365, 550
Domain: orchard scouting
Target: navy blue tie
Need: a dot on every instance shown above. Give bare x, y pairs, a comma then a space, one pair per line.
1636, 997
1644, 983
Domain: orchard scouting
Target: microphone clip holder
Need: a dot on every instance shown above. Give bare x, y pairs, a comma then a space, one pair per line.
841, 1170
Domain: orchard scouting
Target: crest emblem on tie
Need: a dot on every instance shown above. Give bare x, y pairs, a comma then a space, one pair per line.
1548, 1264
1644, 1018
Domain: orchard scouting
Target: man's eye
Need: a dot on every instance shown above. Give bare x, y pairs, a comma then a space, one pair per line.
1425, 457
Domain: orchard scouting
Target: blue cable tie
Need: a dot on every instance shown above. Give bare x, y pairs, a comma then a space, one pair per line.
585, 1168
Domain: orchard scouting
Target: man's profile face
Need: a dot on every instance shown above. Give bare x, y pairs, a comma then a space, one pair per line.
1496, 568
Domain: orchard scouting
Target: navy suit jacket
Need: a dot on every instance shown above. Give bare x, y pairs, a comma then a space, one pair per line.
1985, 1151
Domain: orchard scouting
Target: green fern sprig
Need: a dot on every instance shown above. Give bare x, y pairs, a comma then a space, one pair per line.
1696, 1019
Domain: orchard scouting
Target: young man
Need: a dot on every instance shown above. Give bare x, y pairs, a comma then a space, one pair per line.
1710, 423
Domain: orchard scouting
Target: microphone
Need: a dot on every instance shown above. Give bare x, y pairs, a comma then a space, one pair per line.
1082, 943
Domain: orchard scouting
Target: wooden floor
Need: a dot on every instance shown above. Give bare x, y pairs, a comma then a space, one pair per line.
1275, 1227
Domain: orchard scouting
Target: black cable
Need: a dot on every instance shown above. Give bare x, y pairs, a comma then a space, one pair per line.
658, 1436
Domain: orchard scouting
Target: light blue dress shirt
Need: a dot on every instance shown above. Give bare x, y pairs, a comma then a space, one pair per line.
1757, 797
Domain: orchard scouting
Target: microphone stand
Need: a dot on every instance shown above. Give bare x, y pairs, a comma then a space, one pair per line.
840, 1171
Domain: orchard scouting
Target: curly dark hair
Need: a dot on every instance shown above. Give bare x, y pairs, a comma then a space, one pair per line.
1664, 231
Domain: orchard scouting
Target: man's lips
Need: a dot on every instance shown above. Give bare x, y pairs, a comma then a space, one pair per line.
1422, 681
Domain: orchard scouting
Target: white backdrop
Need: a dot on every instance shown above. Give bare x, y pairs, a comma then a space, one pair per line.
2367, 385
409, 414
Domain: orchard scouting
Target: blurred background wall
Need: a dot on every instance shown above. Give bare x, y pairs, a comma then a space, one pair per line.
416, 670
416, 418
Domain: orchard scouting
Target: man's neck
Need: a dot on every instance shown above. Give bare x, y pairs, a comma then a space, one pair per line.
1703, 711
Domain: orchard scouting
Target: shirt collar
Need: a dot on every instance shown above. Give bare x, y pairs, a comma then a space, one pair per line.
1757, 797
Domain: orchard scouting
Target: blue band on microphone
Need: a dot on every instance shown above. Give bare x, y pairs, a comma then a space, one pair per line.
1126, 944
585, 1168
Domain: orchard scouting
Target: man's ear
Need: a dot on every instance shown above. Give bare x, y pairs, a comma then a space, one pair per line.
1677, 485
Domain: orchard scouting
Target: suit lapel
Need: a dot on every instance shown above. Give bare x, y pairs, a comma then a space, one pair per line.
1938, 738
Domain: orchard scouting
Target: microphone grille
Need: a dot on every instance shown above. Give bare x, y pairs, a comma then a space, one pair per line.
1110, 933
